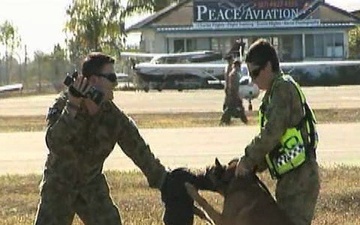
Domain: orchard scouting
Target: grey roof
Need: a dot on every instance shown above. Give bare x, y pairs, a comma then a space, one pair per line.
315, 5
145, 22
184, 22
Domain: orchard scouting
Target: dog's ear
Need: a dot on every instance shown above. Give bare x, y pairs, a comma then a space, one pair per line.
217, 163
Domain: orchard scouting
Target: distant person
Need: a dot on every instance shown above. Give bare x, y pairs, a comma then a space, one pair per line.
80, 135
233, 104
286, 144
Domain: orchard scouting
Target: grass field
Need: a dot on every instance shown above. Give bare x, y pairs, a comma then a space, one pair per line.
165, 120
339, 201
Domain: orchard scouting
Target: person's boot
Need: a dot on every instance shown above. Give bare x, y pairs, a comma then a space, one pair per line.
241, 115
225, 120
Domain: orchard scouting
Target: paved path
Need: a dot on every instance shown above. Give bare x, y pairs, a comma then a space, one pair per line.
192, 147
186, 101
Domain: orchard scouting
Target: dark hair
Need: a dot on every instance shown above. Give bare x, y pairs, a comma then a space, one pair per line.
261, 52
94, 63
237, 63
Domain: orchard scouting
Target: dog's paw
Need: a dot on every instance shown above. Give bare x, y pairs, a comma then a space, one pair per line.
191, 190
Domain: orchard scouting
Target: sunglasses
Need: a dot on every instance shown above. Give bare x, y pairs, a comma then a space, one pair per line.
255, 72
109, 76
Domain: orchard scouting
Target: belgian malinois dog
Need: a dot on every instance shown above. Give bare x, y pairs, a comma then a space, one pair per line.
247, 201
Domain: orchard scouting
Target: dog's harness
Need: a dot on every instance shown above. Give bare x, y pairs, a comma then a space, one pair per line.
262, 185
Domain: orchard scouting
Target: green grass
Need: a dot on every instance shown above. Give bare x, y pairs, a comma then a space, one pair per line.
166, 120
339, 201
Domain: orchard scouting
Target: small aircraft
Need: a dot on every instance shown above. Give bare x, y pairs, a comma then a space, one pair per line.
191, 70
174, 58
11, 87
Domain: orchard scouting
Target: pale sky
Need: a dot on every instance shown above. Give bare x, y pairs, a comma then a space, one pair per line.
40, 23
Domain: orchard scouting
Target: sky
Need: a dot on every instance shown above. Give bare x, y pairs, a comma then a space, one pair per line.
40, 23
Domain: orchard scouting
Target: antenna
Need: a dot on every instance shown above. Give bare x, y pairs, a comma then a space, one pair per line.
240, 53
241, 50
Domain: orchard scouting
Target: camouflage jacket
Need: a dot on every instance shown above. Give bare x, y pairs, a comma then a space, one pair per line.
79, 146
234, 77
282, 112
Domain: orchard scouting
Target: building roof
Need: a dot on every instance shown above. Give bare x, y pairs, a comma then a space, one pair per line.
356, 13
158, 16
327, 13
180, 16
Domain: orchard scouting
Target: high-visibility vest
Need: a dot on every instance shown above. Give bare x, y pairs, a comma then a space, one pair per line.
291, 151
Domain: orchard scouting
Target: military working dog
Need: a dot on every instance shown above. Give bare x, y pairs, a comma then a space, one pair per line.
247, 201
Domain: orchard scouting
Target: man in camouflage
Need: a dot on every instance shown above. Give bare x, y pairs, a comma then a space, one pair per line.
233, 105
80, 136
283, 106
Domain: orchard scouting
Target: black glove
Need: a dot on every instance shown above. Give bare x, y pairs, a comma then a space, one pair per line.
81, 88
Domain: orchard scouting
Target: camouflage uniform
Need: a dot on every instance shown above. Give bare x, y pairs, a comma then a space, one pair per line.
73, 181
297, 190
233, 106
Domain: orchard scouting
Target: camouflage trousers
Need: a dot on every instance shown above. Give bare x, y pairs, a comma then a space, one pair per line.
233, 107
92, 203
297, 192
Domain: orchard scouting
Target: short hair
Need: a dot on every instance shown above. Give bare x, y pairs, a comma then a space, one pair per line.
237, 63
94, 63
261, 52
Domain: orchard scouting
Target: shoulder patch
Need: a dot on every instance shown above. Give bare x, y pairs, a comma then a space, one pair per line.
52, 112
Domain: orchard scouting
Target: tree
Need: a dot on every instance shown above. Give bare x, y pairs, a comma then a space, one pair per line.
10, 39
94, 25
354, 42
59, 65
98, 25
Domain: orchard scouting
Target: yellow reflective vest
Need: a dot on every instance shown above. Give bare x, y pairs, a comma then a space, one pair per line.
291, 151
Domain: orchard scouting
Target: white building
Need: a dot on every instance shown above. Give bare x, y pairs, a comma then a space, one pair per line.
299, 29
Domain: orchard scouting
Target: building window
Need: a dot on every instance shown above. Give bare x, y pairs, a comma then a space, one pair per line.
215, 44
190, 45
324, 45
179, 45
185, 45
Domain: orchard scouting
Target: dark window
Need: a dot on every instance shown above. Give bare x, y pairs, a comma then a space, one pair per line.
179, 45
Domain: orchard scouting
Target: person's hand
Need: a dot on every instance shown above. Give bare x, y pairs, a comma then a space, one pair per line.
78, 90
78, 93
91, 106
242, 168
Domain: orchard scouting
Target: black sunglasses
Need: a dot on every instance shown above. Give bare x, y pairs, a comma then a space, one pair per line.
109, 76
255, 73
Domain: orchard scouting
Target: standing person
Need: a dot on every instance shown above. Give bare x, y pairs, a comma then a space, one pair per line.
80, 136
233, 105
230, 59
287, 141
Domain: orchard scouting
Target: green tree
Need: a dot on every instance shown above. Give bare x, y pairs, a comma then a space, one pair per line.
10, 39
94, 25
354, 42
98, 25
60, 66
